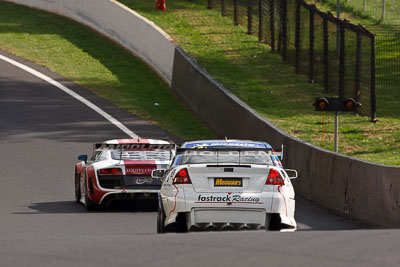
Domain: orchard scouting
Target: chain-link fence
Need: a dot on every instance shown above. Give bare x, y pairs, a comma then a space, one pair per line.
310, 40
387, 70
332, 52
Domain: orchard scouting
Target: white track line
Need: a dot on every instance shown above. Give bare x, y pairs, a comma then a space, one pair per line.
73, 94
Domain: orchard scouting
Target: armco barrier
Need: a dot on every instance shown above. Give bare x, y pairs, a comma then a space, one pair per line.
357, 189
120, 24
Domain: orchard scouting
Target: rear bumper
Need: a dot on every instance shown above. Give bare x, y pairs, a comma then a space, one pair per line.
247, 210
220, 218
128, 194
134, 182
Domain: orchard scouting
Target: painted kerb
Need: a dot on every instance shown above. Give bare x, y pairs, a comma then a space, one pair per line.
357, 189
132, 31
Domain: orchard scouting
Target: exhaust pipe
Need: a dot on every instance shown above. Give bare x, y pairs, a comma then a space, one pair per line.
244, 226
260, 227
227, 227
210, 227
194, 228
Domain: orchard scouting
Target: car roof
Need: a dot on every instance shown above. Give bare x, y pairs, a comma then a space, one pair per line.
226, 143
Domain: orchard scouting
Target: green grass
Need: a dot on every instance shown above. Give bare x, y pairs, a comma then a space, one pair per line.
371, 14
387, 45
258, 77
94, 62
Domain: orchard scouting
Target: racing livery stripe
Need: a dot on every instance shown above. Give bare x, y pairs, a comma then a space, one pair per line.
177, 191
130, 141
284, 200
98, 193
139, 162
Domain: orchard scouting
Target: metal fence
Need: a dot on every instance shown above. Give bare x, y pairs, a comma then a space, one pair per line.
332, 52
388, 70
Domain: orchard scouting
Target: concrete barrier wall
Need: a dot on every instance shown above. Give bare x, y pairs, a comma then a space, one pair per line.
122, 25
354, 188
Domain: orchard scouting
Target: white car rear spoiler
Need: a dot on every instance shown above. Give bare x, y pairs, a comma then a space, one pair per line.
272, 151
102, 146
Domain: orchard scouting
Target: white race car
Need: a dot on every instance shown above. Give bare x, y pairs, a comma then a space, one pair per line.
226, 185
121, 169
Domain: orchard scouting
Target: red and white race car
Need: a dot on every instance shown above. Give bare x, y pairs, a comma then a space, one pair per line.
121, 169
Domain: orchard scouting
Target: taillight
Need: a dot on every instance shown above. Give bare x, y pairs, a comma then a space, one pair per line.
274, 178
182, 177
111, 171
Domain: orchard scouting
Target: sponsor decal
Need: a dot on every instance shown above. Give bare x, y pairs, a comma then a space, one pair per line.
144, 180
229, 198
135, 146
228, 144
139, 171
228, 182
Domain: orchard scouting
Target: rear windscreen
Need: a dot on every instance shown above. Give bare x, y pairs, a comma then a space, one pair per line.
142, 155
225, 157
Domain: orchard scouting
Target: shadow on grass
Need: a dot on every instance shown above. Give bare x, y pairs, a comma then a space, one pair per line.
135, 87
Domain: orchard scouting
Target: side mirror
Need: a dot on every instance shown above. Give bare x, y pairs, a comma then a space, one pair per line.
83, 158
158, 173
291, 173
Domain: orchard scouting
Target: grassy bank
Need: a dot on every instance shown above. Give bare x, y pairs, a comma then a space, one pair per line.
259, 78
92, 61
387, 37
371, 13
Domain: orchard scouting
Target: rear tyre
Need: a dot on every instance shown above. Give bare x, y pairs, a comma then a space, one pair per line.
178, 227
89, 204
160, 218
275, 223
77, 187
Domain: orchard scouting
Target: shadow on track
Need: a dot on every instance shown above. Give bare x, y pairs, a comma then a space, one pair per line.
71, 207
310, 216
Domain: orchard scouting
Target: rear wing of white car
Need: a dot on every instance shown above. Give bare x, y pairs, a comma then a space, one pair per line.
133, 146
271, 151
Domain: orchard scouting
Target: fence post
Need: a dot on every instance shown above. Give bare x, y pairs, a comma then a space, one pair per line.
249, 16
272, 24
260, 21
342, 59
373, 79
357, 91
223, 8
297, 38
284, 28
311, 51
326, 54
209, 4
236, 12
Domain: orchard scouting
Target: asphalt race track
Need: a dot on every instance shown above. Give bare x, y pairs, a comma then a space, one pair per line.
43, 130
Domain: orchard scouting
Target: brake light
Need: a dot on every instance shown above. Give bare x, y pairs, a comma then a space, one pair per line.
274, 178
182, 177
111, 171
